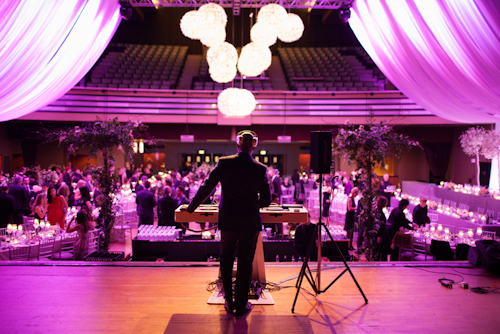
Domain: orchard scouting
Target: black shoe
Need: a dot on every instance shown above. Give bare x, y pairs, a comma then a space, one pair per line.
229, 308
243, 311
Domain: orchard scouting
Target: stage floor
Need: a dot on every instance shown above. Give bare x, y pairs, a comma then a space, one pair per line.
158, 298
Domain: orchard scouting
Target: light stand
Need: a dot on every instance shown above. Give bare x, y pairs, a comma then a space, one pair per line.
306, 271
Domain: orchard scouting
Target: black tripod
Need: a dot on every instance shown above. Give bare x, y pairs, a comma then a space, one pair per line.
306, 271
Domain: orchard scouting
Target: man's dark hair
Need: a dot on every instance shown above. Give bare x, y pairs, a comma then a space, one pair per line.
403, 203
147, 184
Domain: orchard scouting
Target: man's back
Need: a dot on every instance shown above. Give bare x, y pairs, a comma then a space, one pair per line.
20, 195
145, 201
166, 210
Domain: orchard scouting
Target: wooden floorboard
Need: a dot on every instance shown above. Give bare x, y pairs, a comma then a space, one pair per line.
103, 299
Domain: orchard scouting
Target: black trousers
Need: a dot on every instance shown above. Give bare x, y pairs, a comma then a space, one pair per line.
243, 244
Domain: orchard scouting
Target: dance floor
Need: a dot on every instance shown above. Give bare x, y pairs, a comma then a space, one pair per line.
158, 298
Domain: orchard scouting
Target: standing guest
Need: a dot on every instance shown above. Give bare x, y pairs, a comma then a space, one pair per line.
243, 179
420, 213
83, 226
295, 176
348, 185
350, 215
40, 206
84, 200
64, 192
181, 197
383, 246
382, 188
166, 208
327, 199
57, 208
7, 207
26, 184
88, 182
146, 202
76, 175
21, 197
128, 170
67, 175
275, 182
397, 222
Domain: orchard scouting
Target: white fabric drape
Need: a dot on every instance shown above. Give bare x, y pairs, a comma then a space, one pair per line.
443, 54
46, 47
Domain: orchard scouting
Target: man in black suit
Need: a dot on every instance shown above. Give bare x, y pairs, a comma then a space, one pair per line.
146, 203
243, 179
166, 208
7, 207
21, 197
181, 196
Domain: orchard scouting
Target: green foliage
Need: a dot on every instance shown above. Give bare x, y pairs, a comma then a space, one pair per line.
364, 146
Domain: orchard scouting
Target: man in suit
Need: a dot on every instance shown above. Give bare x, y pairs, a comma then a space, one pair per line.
166, 208
146, 202
21, 197
181, 196
7, 207
243, 179
26, 184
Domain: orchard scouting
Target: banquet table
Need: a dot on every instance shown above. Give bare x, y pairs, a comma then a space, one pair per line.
5, 255
457, 223
430, 190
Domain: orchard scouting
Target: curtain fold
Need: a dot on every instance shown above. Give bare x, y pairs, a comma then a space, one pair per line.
441, 54
46, 47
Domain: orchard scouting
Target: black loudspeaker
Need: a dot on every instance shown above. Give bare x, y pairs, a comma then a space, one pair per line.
486, 254
321, 151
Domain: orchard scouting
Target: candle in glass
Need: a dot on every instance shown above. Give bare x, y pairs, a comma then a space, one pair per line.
433, 229
20, 228
446, 230
479, 231
470, 233
440, 228
461, 234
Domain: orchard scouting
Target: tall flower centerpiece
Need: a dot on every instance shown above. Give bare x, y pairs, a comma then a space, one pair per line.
472, 142
102, 138
364, 146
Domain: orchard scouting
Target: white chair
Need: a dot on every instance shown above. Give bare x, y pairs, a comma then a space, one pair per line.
446, 202
287, 195
434, 217
489, 235
67, 246
94, 237
463, 206
480, 211
3, 231
121, 227
453, 204
20, 253
490, 213
46, 249
420, 248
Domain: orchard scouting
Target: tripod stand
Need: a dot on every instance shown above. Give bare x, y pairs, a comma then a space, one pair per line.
306, 271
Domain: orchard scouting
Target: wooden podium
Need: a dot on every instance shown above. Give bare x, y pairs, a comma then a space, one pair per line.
270, 215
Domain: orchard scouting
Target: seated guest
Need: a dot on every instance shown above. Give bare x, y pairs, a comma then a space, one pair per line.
146, 202
166, 208
7, 207
383, 186
420, 213
397, 222
83, 226
40, 206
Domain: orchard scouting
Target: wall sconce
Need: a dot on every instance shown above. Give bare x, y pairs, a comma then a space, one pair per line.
263, 152
201, 152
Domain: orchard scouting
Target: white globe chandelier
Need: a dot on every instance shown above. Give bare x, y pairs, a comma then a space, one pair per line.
208, 24
236, 102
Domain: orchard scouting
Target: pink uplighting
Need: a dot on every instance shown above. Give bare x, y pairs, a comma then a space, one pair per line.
441, 54
46, 47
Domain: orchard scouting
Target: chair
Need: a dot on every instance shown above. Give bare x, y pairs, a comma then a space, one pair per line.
446, 202
453, 204
480, 211
463, 206
120, 228
46, 249
20, 253
93, 243
67, 246
287, 195
489, 235
3, 231
419, 247
434, 217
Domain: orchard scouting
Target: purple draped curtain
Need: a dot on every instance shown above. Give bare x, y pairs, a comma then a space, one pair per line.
442, 54
46, 47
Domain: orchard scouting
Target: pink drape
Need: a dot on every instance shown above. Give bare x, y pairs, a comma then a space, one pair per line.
443, 54
46, 47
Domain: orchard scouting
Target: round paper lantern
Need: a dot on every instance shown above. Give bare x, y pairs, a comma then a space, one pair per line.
222, 72
236, 102
213, 36
292, 29
191, 25
212, 14
224, 52
254, 59
263, 33
272, 14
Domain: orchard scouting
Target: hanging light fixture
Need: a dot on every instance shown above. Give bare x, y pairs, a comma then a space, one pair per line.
191, 26
254, 59
214, 35
263, 33
222, 72
272, 14
224, 52
292, 29
236, 102
212, 15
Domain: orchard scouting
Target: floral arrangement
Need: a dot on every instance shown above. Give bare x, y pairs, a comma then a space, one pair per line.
432, 205
102, 138
365, 146
48, 176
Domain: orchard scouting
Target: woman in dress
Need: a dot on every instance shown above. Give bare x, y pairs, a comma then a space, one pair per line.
383, 247
57, 208
83, 200
327, 196
40, 206
83, 226
350, 215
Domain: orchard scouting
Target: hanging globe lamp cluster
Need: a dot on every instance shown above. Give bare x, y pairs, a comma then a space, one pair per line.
208, 24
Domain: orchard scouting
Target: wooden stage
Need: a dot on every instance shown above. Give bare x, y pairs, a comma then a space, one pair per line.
157, 298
